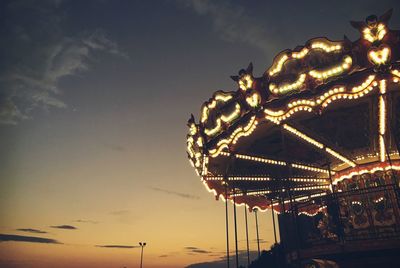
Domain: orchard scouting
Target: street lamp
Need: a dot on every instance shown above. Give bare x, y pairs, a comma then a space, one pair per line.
142, 245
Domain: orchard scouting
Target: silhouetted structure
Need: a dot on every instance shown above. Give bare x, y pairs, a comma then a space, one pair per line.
316, 138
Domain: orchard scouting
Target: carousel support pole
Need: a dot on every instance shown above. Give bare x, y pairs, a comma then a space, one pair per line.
247, 236
236, 239
273, 219
396, 140
336, 204
227, 224
390, 163
258, 237
330, 176
288, 190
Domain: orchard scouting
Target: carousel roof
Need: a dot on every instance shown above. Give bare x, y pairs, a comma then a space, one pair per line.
320, 112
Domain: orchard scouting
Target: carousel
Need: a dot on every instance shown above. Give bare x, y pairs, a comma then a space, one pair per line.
316, 139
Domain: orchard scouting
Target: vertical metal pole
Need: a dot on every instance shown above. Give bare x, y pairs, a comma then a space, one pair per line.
396, 140
291, 210
141, 258
273, 219
234, 220
247, 236
258, 238
227, 225
330, 177
390, 163
336, 203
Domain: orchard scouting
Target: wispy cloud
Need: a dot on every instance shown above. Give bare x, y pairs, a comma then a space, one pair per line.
120, 212
22, 238
197, 250
39, 55
30, 230
116, 246
124, 216
66, 227
183, 195
86, 221
232, 23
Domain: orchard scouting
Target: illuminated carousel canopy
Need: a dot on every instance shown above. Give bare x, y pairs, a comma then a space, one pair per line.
320, 115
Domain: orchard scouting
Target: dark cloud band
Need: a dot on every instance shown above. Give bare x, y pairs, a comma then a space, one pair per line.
31, 230
66, 227
31, 239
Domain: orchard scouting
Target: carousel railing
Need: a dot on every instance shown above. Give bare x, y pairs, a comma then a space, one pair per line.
360, 214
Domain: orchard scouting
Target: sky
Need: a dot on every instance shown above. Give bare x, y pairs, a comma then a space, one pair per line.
94, 100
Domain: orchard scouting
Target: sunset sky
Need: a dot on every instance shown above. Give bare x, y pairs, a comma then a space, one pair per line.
94, 100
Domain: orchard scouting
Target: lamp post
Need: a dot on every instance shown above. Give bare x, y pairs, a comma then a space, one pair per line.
142, 245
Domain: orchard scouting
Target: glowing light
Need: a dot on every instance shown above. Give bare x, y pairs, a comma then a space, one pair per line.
308, 188
380, 32
252, 193
287, 87
301, 54
192, 129
199, 141
223, 97
300, 103
382, 129
254, 99
379, 57
197, 157
274, 113
364, 84
234, 137
303, 136
396, 73
220, 97
308, 179
348, 95
318, 144
333, 71
245, 82
302, 198
224, 118
324, 100
215, 130
311, 168
380, 199
235, 178
205, 165
325, 47
366, 171
217, 151
279, 65
189, 143
366, 156
260, 159
382, 120
340, 157
233, 115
